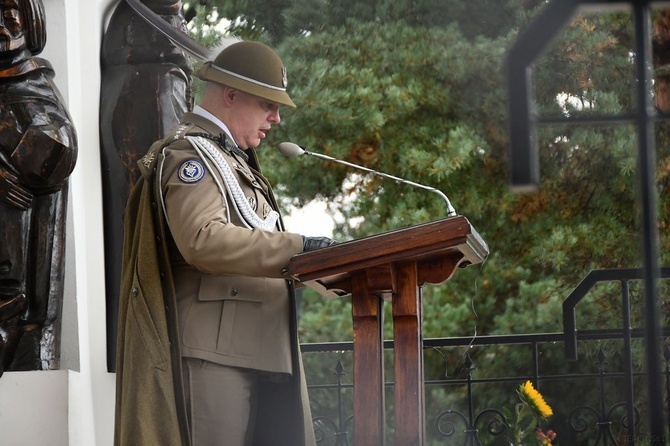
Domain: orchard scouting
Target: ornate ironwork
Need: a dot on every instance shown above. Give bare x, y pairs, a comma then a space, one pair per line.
607, 417
326, 428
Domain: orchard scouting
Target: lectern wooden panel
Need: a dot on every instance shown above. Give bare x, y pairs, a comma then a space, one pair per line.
393, 265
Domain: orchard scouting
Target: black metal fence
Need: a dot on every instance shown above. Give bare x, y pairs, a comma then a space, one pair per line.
599, 396
524, 157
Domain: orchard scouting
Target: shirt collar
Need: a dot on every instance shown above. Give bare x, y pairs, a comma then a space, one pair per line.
198, 110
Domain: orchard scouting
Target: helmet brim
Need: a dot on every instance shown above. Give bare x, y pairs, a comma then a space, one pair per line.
210, 72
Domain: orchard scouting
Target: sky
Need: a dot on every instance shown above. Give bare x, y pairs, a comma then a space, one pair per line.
311, 220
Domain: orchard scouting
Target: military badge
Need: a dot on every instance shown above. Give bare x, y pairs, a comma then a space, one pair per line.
266, 209
182, 128
148, 159
252, 202
191, 171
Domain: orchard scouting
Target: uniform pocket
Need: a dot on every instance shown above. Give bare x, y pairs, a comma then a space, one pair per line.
240, 326
240, 329
250, 289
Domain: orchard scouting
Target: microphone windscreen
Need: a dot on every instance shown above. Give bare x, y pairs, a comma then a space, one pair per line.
290, 149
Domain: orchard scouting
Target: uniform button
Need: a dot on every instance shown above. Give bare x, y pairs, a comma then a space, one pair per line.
233, 292
135, 292
158, 240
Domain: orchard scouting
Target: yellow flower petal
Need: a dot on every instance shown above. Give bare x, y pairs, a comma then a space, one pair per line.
535, 400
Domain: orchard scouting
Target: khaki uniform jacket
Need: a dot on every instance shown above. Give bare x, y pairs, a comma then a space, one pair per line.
233, 301
224, 277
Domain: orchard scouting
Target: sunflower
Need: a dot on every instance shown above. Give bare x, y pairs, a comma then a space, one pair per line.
535, 400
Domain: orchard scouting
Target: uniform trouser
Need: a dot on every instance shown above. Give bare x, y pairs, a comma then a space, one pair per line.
222, 403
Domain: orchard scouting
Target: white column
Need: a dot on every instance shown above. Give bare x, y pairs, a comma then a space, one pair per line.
91, 390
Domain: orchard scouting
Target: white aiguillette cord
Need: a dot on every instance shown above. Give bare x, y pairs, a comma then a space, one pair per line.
269, 223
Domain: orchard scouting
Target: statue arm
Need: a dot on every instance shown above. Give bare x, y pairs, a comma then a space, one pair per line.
11, 192
46, 154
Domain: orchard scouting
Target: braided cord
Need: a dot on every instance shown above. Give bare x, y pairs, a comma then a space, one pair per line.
232, 185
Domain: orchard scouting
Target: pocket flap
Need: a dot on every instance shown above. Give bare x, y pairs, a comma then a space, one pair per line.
252, 289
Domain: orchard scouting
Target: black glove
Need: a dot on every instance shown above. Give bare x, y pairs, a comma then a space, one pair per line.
312, 243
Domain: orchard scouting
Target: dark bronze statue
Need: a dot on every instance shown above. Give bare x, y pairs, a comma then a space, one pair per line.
146, 88
38, 151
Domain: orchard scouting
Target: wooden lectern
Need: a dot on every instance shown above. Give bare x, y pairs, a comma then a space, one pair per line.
393, 265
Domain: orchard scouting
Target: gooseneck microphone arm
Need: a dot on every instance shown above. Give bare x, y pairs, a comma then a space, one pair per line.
290, 149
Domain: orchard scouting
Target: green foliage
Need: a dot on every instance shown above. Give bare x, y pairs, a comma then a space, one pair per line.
280, 19
324, 321
385, 97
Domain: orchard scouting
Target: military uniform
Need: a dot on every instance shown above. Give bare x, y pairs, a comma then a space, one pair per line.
234, 306
233, 302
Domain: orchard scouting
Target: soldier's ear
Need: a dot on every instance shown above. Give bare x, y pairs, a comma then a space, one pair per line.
229, 95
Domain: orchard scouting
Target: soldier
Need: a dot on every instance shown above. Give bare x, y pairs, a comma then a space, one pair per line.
38, 151
241, 371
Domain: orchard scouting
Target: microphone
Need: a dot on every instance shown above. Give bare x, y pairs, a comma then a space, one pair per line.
289, 150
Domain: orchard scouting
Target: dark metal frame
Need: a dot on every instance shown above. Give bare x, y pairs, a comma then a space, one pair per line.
524, 156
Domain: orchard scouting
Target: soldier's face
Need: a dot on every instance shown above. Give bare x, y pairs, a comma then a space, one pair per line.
12, 35
252, 119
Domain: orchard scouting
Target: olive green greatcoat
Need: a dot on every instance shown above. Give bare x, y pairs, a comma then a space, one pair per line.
150, 407
148, 412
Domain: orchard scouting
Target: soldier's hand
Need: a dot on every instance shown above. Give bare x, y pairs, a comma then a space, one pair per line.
12, 193
312, 243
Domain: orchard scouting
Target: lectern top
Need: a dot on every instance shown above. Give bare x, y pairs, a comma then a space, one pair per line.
451, 239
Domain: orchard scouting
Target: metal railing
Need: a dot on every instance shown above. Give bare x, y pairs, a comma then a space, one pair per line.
599, 397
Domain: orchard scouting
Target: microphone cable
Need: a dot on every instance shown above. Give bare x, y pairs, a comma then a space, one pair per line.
472, 304
474, 329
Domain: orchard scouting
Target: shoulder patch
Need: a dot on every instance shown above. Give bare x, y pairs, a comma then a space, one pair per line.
191, 171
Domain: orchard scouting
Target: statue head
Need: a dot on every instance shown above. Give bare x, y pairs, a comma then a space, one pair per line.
251, 67
22, 26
